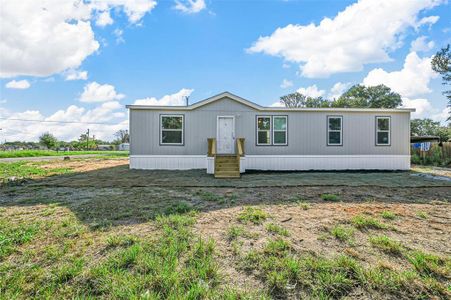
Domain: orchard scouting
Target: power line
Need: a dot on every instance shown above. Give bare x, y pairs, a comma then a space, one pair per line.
63, 122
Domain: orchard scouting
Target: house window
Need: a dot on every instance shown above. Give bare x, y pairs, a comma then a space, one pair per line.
334, 130
263, 130
382, 131
279, 130
171, 129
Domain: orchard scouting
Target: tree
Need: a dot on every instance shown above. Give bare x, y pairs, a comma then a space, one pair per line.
122, 136
360, 96
299, 100
441, 63
48, 140
427, 127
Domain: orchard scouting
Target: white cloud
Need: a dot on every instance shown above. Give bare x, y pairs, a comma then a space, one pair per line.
76, 75
277, 104
286, 84
363, 33
95, 92
424, 109
177, 99
111, 113
118, 34
190, 6
430, 20
21, 84
104, 19
134, 9
421, 44
338, 89
311, 91
61, 29
411, 81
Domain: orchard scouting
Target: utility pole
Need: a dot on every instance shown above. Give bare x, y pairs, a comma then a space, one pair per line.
87, 140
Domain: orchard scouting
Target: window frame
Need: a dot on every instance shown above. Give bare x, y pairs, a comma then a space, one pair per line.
277, 130
377, 130
162, 129
257, 130
328, 130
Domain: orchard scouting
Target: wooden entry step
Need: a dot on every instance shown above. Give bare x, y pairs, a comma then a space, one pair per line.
227, 166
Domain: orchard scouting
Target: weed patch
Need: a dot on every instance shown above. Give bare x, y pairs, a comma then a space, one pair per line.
366, 222
386, 244
252, 215
330, 197
276, 229
342, 233
388, 215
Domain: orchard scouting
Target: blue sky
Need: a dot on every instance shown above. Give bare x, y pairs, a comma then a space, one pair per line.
118, 52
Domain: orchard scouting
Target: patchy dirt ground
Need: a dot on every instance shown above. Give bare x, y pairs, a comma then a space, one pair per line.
107, 198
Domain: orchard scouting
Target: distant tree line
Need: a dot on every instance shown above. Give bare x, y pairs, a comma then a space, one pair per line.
49, 141
358, 96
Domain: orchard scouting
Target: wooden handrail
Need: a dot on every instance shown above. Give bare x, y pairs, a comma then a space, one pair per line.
240, 147
211, 147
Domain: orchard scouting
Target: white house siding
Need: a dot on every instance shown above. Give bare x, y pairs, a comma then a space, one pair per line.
307, 139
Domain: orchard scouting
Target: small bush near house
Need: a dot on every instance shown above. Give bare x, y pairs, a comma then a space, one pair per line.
330, 197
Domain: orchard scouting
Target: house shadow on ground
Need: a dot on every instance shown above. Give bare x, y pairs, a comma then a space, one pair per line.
117, 195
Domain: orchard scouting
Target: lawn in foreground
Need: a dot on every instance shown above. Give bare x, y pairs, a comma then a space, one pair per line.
71, 236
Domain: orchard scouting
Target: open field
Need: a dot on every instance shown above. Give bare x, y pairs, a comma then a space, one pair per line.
93, 228
38, 153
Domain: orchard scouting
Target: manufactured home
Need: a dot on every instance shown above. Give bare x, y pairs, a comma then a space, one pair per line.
227, 135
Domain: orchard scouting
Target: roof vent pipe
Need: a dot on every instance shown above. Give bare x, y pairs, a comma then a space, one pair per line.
187, 100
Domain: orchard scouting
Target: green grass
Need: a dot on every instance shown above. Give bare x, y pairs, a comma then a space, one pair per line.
179, 208
388, 215
429, 264
342, 233
12, 236
276, 229
422, 215
330, 197
23, 169
386, 244
366, 222
174, 263
252, 215
37, 153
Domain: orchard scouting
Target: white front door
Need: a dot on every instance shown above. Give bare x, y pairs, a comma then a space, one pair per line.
226, 135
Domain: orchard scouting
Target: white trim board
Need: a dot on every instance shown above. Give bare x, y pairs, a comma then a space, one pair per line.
327, 162
168, 162
275, 162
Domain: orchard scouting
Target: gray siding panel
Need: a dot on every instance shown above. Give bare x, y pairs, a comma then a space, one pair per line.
307, 131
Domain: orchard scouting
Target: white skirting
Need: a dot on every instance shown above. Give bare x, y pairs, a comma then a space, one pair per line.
275, 162
327, 162
168, 162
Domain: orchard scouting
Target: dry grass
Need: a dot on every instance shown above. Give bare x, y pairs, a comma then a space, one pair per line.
100, 230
